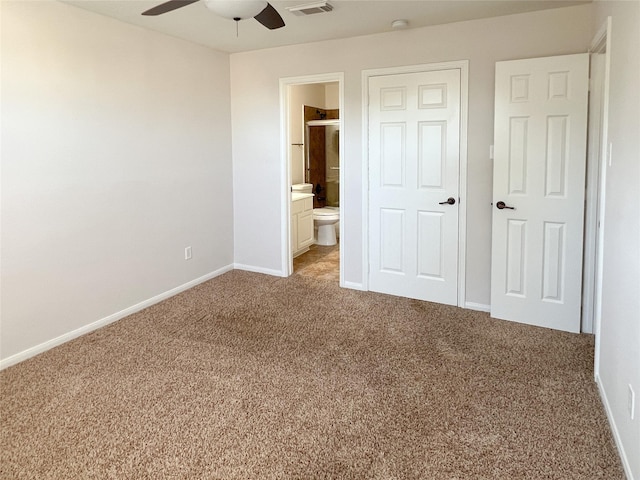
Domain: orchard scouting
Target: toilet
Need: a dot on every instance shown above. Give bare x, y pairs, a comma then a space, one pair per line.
325, 219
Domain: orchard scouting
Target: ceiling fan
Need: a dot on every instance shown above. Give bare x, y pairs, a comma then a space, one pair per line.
236, 10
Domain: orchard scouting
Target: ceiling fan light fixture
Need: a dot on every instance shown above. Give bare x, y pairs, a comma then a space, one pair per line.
236, 9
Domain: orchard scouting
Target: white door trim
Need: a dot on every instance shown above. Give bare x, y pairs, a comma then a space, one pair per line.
463, 66
594, 188
601, 43
285, 167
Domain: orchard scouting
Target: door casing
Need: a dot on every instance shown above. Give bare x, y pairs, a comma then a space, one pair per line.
601, 44
463, 66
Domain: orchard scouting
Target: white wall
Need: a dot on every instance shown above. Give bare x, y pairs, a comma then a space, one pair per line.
116, 155
619, 352
256, 149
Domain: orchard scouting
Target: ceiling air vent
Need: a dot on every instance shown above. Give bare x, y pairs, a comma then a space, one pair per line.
311, 8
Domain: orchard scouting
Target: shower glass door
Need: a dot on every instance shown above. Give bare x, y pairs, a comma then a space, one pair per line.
323, 161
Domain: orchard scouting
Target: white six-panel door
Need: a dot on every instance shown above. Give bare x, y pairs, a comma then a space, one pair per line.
414, 156
539, 175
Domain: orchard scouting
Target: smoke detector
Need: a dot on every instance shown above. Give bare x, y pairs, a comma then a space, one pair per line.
399, 24
311, 8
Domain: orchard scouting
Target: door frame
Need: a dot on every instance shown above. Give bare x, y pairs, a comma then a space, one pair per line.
596, 193
463, 66
595, 187
285, 165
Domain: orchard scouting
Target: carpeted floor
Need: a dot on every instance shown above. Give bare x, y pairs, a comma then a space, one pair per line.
255, 377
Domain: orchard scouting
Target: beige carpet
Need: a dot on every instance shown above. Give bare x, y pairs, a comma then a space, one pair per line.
255, 377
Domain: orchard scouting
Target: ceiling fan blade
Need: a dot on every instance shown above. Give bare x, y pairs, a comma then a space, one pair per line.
270, 18
168, 6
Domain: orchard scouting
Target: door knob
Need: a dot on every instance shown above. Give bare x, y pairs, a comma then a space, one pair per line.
448, 201
502, 205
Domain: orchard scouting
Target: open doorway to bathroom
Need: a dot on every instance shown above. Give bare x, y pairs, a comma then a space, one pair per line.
313, 146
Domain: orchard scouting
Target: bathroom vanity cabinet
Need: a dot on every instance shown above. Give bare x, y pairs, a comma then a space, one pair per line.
301, 222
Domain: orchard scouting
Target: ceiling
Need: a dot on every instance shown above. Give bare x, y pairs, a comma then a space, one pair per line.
349, 18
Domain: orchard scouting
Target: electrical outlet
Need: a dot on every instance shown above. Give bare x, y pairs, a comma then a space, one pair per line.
632, 402
187, 253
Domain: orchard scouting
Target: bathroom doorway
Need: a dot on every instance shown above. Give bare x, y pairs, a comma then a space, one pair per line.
312, 168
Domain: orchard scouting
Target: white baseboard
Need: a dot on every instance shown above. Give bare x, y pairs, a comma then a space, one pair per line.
480, 307
300, 252
266, 271
54, 342
614, 430
354, 286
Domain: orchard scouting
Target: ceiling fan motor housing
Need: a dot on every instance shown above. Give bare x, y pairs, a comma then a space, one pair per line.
236, 9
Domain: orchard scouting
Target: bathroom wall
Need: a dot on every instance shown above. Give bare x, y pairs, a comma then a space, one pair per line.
258, 162
299, 96
332, 96
110, 168
322, 95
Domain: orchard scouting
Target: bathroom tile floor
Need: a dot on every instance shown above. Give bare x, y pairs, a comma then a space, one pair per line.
319, 262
